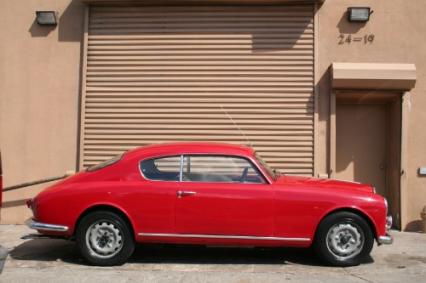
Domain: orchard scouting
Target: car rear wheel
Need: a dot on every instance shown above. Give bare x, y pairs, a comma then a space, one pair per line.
104, 239
344, 239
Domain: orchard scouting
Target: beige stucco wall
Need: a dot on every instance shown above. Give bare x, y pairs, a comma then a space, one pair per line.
39, 81
398, 31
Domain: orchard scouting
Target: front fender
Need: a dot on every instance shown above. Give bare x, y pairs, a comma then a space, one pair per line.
368, 215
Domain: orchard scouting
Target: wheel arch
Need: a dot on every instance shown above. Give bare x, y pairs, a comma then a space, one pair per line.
356, 211
106, 207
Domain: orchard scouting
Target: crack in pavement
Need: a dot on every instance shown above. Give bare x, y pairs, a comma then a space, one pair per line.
357, 276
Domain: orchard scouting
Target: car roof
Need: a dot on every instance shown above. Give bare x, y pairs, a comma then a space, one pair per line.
190, 147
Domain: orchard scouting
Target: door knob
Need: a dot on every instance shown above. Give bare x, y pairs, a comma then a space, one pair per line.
181, 194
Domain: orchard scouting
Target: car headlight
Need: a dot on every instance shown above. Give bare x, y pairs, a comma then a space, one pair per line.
389, 219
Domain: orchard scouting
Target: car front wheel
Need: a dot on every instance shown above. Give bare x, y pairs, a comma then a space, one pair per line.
104, 239
344, 239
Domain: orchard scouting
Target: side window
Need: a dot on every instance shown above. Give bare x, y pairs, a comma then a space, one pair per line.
161, 169
224, 169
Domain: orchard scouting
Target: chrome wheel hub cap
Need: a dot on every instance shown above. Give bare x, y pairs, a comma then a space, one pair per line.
345, 240
104, 239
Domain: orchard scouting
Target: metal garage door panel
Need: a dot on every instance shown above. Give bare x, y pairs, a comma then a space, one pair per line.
230, 74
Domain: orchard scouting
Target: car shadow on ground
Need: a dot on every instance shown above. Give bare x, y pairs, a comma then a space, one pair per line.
66, 251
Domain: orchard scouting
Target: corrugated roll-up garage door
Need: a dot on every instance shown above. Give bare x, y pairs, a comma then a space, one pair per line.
229, 74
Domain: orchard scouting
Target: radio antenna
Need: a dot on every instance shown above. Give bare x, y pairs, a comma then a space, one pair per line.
236, 125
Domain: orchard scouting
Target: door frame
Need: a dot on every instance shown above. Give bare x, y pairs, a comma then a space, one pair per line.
388, 77
405, 108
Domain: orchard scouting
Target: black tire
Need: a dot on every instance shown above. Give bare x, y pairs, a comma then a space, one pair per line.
341, 222
119, 233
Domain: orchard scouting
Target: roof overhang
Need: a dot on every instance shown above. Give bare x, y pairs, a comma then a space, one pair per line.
201, 2
380, 76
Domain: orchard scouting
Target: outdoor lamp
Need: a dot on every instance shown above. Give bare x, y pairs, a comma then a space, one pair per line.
46, 18
359, 14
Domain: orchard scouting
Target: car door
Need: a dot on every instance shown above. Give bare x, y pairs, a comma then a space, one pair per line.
154, 200
223, 195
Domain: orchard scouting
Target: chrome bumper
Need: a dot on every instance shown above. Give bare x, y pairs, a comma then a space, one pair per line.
385, 240
389, 222
45, 226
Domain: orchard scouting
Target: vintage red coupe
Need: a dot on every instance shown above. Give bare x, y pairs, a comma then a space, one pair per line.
208, 194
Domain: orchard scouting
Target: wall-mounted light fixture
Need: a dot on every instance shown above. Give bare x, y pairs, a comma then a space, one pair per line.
359, 14
46, 18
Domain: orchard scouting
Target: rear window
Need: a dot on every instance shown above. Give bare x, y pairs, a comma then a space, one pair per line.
105, 163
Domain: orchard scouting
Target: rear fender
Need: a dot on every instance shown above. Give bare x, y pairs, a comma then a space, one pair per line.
104, 206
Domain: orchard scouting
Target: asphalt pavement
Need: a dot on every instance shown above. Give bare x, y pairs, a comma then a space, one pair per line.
47, 260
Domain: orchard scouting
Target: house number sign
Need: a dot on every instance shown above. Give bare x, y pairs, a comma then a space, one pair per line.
349, 39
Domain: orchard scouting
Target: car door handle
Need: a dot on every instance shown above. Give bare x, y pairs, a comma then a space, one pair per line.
181, 194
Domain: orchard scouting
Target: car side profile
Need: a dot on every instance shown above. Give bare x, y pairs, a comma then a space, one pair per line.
208, 194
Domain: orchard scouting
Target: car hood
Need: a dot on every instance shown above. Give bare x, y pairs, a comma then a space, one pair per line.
319, 183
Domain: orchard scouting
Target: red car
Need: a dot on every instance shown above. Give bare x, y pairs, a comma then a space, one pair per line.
209, 194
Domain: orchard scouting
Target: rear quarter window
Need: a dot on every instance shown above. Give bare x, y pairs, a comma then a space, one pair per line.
161, 169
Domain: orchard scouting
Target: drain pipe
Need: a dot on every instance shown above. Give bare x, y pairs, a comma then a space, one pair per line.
423, 216
3, 251
41, 181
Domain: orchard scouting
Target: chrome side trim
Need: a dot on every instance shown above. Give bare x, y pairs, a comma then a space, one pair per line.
385, 240
223, 237
45, 226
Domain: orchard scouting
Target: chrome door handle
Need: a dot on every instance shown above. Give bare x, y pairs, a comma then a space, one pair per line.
181, 194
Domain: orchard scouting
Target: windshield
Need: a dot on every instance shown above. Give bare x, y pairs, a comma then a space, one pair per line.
105, 163
271, 172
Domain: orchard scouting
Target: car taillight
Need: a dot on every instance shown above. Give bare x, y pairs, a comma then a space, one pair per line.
32, 204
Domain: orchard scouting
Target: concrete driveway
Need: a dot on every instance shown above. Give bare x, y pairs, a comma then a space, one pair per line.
57, 260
